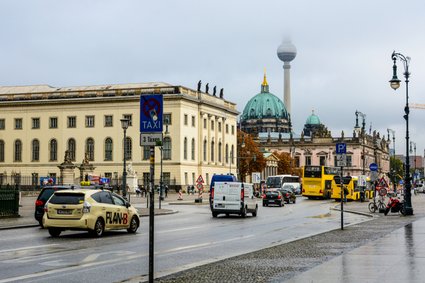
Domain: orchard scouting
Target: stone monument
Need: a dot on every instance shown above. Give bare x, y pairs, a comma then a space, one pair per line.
67, 170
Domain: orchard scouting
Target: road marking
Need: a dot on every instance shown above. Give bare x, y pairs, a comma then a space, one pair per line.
27, 248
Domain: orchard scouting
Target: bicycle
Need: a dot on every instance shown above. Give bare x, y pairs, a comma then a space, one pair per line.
380, 205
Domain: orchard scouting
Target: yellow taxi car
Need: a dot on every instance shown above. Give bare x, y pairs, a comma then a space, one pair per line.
90, 210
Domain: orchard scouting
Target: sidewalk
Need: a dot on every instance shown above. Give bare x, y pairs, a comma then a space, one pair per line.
26, 210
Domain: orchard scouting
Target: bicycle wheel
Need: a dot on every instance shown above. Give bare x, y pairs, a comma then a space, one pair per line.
372, 207
381, 206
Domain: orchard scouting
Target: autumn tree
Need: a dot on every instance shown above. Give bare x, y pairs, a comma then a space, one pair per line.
250, 158
286, 164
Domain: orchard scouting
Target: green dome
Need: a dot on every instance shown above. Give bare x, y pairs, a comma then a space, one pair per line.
313, 119
264, 105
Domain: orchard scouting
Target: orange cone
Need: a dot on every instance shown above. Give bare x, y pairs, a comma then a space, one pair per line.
180, 195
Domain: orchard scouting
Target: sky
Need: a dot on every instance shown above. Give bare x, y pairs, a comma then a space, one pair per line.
343, 61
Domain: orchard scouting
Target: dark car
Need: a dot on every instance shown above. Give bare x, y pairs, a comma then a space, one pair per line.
272, 197
45, 193
288, 195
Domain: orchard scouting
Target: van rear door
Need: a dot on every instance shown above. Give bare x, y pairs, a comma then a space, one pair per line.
227, 196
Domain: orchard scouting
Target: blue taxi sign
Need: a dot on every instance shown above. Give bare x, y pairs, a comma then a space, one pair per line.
151, 110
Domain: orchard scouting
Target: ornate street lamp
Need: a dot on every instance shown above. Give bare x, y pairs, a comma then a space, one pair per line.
124, 125
395, 84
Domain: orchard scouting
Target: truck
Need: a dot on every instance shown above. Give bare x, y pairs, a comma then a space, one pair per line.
234, 198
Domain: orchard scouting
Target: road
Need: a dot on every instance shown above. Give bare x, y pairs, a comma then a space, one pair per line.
183, 240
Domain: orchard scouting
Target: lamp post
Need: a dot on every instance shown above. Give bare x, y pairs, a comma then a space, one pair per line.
392, 168
124, 126
395, 84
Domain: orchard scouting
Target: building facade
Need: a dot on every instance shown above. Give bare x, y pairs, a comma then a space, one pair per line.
39, 123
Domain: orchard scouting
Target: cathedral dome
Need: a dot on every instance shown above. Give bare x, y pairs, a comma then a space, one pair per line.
313, 119
264, 105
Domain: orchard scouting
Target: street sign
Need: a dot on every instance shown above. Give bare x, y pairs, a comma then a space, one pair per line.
151, 109
341, 160
361, 182
341, 148
150, 138
256, 177
200, 179
374, 176
382, 183
373, 167
199, 186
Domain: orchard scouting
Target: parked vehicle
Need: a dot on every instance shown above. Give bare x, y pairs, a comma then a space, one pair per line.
296, 190
395, 205
233, 198
272, 198
45, 193
288, 195
89, 210
219, 178
420, 188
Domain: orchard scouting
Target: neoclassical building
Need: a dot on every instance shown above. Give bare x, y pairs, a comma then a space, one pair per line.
39, 123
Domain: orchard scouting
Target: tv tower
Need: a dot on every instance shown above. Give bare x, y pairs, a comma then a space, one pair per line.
286, 53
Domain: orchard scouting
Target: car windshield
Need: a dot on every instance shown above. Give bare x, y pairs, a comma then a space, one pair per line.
67, 198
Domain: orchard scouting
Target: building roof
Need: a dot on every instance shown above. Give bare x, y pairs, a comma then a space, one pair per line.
313, 119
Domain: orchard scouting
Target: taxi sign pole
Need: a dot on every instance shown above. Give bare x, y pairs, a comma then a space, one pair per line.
151, 213
341, 150
342, 199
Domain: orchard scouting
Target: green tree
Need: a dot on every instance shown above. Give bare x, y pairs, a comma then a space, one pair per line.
396, 169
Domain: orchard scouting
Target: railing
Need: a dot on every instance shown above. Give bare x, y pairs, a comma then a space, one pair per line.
9, 201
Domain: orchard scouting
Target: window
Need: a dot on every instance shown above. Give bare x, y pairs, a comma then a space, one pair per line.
146, 176
349, 161
128, 149
89, 121
193, 121
205, 150
227, 128
322, 160
129, 117
185, 149
1, 151
35, 150
167, 148
227, 153
297, 161
185, 119
167, 119
108, 149
233, 129
53, 149
166, 177
193, 149
90, 149
108, 121
205, 123
53, 122
186, 180
193, 177
219, 127
72, 122
212, 125
2, 124
36, 123
18, 124
308, 160
232, 155
219, 152
71, 149
146, 152
212, 151
17, 154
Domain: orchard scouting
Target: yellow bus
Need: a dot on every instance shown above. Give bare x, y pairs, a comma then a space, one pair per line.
352, 192
317, 181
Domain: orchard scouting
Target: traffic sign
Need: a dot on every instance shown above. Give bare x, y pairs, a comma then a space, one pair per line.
341, 160
341, 148
150, 138
373, 167
200, 179
382, 183
361, 182
256, 177
199, 186
151, 109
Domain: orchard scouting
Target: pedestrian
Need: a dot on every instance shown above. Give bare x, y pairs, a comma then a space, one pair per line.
192, 188
138, 191
166, 190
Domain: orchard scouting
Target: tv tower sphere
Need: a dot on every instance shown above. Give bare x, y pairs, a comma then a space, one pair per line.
286, 51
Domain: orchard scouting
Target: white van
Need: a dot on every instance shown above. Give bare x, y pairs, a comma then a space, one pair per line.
234, 198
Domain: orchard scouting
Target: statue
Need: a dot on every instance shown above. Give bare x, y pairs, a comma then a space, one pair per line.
130, 169
207, 87
67, 157
342, 134
214, 90
199, 85
221, 93
86, 159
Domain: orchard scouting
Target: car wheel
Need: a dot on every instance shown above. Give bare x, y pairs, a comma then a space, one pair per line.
99, 227
54, 232
280, 204
214, 214
243, 213
254, 213
295, 200
134, 225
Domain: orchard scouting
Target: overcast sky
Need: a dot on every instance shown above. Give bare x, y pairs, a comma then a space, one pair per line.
343, 62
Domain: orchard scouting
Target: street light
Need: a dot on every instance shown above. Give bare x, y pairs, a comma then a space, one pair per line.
124, 125
395, 84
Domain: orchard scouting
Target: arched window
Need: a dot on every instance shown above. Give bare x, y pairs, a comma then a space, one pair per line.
232, 155
1, 151
53, 150
193, 149
167, 148
185, 149
35, 150
90, 149
108, 149
205, 150
219, 152
128, 148
71, 149
17, 154
212, 151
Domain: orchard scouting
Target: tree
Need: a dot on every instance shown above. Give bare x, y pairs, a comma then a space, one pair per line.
250, 158
396, 169
286, 164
